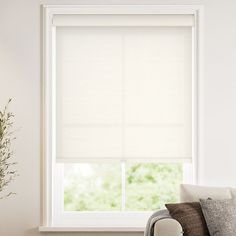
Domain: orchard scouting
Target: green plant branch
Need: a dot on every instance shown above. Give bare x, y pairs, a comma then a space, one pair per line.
7, 174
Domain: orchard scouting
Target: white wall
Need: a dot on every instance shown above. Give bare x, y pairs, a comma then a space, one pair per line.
20, 79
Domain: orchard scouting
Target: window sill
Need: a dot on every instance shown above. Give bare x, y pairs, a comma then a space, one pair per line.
90, 229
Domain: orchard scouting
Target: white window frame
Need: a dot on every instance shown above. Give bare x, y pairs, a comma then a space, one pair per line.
49, 169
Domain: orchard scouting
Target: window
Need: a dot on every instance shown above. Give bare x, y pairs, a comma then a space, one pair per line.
119, 92
100, 187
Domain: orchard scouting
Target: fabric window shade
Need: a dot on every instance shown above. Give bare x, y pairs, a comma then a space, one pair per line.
123, 93
123, 20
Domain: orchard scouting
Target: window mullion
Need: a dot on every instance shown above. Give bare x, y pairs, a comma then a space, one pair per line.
123, 185
123, 162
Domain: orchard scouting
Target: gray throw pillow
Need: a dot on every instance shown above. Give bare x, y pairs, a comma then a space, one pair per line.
220, 216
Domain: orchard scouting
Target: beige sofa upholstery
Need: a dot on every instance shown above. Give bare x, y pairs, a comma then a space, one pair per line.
168, 227
190, 193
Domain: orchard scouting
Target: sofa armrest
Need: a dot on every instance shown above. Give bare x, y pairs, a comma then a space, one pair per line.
168, 227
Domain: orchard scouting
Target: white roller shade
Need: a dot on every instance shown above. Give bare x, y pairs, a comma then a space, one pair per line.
123, 20
123, 93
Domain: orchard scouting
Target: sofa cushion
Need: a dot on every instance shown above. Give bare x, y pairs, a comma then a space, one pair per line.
220, 216
192, 193
190, 217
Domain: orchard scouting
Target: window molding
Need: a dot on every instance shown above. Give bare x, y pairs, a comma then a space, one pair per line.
90, 229
48, 115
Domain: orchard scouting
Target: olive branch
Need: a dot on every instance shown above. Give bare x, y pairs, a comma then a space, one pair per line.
7, 172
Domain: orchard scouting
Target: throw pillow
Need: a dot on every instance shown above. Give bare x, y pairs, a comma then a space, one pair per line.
190, 217
220, 216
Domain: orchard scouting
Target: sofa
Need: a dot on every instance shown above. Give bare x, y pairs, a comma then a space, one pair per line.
190, 193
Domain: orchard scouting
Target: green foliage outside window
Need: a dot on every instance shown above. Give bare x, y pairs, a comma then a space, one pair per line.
97, 187
92, 187
150, 186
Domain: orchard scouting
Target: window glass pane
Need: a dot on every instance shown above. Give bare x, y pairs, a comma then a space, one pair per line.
149, 186
92, 187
